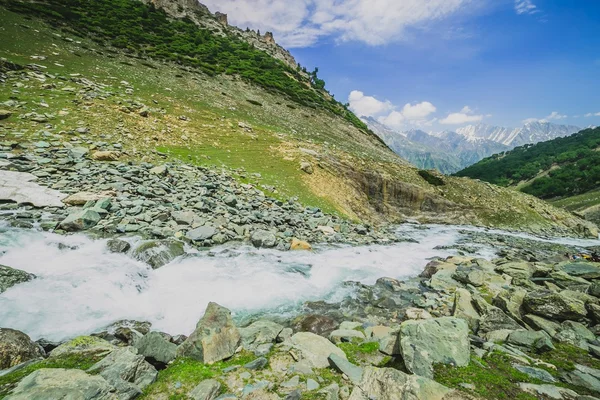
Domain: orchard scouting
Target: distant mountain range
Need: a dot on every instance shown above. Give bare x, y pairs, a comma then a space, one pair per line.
450, 152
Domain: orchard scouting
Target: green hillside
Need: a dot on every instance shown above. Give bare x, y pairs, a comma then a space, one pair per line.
164, 88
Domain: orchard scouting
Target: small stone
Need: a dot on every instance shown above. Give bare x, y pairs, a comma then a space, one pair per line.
257, 364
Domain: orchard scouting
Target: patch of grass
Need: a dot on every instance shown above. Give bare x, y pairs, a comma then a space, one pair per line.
73, 361
580, 202
494, 379
565, 356
353, 351
185, 373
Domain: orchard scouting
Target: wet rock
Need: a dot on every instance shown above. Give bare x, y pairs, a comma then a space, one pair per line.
156, 349
206, 390
16, 348
62, 384
129, 373
158, 253
435, 341
262, 238
216, 337
554, 306
315, 349
10, 277
118, 246
80, 220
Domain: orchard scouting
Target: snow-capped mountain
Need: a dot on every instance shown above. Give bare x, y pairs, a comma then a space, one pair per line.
450, 152
531, 132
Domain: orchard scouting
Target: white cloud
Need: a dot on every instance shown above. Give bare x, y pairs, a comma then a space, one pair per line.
300, 23
554, 115
367, 106
460, 118
465, 115
525, 7
394, 120
592, 114
419, 111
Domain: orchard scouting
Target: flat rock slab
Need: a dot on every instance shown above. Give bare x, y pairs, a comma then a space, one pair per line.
21, 188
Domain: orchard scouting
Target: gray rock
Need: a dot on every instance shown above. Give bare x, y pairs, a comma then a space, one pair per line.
80, 220
118, 246
314, 349
158, 253
353, 372
536, 373
201, 234
392, 384
539, 341
257, 364
83, 346
187, 218
206, 390
4, 114
45, 384
554, 306
10, 277
318, 324
216, 337
156, 349
575, 333
496, 319
548, 391
311, 385
343, 335
129, 373
262, 238
583, 376
425, 343
260, 332
16, 348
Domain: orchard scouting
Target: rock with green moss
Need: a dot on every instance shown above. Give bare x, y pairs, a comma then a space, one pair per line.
216, 337
16, 348
540, 323
392, 384
83, 345
539, 341
554, 306
128, 372
576, 334
158, 253
435, 341
57, 383
10, 277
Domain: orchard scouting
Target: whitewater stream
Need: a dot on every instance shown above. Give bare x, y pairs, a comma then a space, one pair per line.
81, 287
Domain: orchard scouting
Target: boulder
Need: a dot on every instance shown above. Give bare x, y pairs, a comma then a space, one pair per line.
81, 198
118, 246
19, 187
260, 332
539, 341
581, 269
16, 348
548, 391
216, 337
540, 323
201, 234
583, 376
318, 324
10, 277
536, 373
495, 319
158, 253
307, 167
83, 345
261, 238
80, 220
129, 373
392, 384
315, 349
353, 372
576, 334
206, 390
554, 306
156, 349
61, 383
298, 244
346, 335
435, 341
106, 155
463, 309
4, 114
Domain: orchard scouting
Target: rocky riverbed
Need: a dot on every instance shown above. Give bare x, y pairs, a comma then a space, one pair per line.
123, 280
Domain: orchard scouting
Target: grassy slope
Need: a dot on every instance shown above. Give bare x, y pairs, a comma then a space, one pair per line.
210, 135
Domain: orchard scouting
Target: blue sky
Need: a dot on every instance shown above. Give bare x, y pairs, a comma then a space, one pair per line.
442, 64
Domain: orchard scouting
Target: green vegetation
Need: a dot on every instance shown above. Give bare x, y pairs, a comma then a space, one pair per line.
431, 178
185, 373
565, 356
355, 351
557, 168
73, 361
494, 379
147, 32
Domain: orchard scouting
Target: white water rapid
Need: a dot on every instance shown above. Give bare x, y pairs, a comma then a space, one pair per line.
81, 287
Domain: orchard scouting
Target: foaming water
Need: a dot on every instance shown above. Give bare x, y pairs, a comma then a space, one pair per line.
81, 287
